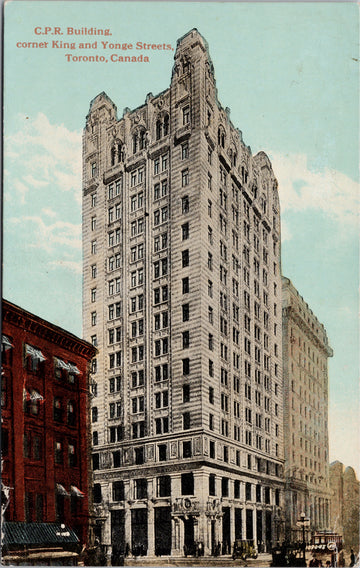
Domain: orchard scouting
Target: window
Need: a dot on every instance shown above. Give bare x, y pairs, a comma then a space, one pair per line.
185, 258
71, 414
138, 430
211, 315
57, 410
140, 486
72, 455
185, 339
58, 453
163, 484
186, 115
187, 451
162, 452
162, 425
185, 285
185, 312
118, 493
212, 488
184, 178
211, 368
185, 231
94, 414
186, 421
248, 491
186, 366
97, 492
224, 487
139, 456
184, 150
185, 204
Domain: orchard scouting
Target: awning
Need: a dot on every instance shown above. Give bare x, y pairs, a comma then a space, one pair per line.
76, 491
35, 395
61, 490
37, 534
69, 367
33, 352
61, 364
5, 341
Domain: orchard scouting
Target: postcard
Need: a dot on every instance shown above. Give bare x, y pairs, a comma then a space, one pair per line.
180, 254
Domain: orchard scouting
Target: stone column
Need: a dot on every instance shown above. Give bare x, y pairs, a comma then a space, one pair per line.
254, 523
232, 524
243, 522
127, 515
176, 547
106, 536
263, 530
207, 535
151, 529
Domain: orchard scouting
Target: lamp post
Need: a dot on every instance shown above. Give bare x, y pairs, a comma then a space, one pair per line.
303, 522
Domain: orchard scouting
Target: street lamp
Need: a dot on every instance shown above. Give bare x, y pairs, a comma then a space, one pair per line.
302, 523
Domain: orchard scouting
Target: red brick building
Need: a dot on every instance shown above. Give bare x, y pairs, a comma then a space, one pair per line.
44, 403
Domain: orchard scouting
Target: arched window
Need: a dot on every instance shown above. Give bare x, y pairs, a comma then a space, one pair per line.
113, 153
120, 153
158, 129
142, 140
135, 143
166, 125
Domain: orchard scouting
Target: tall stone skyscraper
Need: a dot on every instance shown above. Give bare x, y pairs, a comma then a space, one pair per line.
182, 297
306, 350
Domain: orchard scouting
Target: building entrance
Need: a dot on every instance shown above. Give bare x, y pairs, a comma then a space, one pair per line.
226, 545
268, 532
139, 532
162, 531
189, 536
259, 534
117, 536
213, 537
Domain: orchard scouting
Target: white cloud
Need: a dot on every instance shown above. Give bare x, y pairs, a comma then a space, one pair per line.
49, 237
71, 265
48, 211
50, 155
330, 191
22, 190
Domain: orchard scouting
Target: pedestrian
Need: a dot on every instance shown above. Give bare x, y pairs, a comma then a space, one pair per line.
341, 559
352, 558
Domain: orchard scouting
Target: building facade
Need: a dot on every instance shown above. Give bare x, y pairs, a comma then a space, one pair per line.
182, 298
345, 508
306, 351
45, 446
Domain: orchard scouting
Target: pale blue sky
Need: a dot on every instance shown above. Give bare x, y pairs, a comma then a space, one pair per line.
289, 74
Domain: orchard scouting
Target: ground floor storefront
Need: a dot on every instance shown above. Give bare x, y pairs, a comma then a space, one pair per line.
187, 528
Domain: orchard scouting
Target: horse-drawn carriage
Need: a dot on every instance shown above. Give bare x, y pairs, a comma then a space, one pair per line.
244, 549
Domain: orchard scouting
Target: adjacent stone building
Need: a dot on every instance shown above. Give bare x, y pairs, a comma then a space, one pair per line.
345, 504
182, 298
44, 439
305, 372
